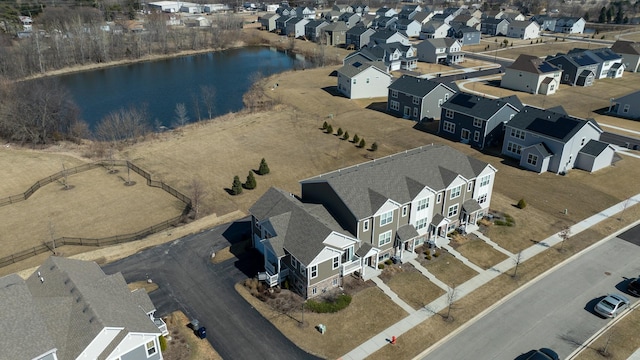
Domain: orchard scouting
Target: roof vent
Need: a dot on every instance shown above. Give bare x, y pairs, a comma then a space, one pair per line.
41, 279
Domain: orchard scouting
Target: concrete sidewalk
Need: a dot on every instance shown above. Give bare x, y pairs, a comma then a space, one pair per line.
418, 316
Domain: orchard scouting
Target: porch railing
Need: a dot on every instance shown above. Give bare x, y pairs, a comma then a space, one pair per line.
350, 267
162, 326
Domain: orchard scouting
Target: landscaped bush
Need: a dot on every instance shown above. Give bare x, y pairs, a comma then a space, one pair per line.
428, 257
163, 344
362, 143
436, 253
329, 129
521, 204
339, 303
380, 266
345, 136
324, 125
388, 262
374, 146
339, 132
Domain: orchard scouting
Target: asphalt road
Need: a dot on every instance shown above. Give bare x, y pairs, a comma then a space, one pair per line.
188, 281
620, 140
555, 312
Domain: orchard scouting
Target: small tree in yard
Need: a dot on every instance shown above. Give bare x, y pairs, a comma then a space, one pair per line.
451, 298
345, 136
564, 234
356, 139
251, 181
517, 260
264, 168
362, 143
339, 133
329, 129
374, 146
324, 125
521, 204
236, 187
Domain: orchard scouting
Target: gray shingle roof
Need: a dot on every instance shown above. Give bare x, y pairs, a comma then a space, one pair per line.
406, 232
441, 42
415, 86
626, 47
300, 228
471, 206
533, 64
542, 149
354, 68
75, 301
360, 186
594, 147
479, 107
555, 125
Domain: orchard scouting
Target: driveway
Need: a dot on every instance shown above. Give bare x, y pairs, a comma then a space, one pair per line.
555, 312
189, 282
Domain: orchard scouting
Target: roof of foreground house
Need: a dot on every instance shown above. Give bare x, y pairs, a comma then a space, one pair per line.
354, 68
67, 303
533, 64
416, 86
626, 47
299, 228
551, 124
478, 106
364, 188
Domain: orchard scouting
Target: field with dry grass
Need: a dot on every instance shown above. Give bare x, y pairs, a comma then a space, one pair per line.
448, 269
410, 285
184, 344
342, 335
480, 253
618, 342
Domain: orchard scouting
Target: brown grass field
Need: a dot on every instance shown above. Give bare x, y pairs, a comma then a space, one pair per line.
448, 269
481, 253
341, 335
410, 285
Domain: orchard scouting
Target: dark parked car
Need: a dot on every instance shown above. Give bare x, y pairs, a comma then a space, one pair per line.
542, 354
634, 287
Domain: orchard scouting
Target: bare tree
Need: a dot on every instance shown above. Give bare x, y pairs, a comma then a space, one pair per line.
625, 205
208, 96
123, 124
65, 178
181, 118
198, 193
452, 294
196, 106
52, 235
564, 235
517, 260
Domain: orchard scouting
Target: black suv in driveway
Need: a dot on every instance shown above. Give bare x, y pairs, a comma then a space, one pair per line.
634, 286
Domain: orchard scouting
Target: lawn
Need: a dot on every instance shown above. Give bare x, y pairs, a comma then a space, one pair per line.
478, 251
370, 312
447, 268
410, 285
184, 344
98, 205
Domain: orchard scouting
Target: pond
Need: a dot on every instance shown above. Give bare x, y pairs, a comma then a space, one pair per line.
159, 86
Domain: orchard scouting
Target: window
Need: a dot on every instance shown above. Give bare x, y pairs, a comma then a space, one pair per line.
455, 192
514, 148
484, 181
294, 263
394, 105
151, 348
449, 127
439, 102
448, 114
365, 225
336, 262
532, 159
354, 81
404, 211
552, 86
438, 198
518, 134
583, 141
313, 271
422, 204
482, 199
453, 210
367, 80
421, 224
469, 186
386, 218
626, 108
476, 136
314, 291
465, 134
334, 282
394, 93
416, 100
446, 97
303, 270
477, 122
415, 112
384, 238
407, 112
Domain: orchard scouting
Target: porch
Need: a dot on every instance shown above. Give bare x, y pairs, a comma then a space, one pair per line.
162, 326
272, 276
